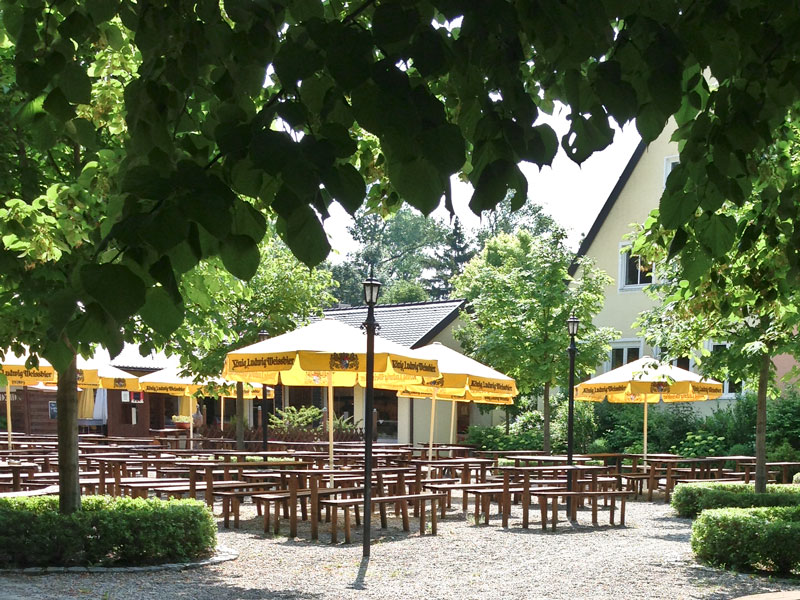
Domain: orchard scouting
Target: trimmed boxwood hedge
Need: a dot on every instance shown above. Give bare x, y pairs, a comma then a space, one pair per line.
106, 531
689, 499
749, 538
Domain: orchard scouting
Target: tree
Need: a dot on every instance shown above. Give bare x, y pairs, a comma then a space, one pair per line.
403, 291
519, 295
448, 262
745, 298
503, 219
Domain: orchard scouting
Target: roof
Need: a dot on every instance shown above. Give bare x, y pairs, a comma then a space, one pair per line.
413, 324
131, 358
609, 204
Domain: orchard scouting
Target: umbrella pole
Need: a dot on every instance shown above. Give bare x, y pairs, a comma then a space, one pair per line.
453, 422
8, 414
222, 415
645, 428
330, 424
433, 418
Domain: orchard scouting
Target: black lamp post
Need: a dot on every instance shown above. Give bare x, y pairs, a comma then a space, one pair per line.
263, 335
372, 289
572, 329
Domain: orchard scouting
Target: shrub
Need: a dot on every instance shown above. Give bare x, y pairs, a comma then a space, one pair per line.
749, 538
598, 446
701, 443
689, 499
106, 531
796, 479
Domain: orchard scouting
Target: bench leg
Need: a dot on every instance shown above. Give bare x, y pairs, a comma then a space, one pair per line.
622, 511
422, 517
236, 504
358, 514
443, 504
594, 510
382, 511
555, 512
266, 514
434, 516
226, 502
346, 524
611, 510
334, 524
403, 514
486, 502
526, 504
314, 522
277, 523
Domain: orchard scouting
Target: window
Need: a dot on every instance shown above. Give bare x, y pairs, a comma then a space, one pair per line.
624, 355
669, 165
634, 271
728, 386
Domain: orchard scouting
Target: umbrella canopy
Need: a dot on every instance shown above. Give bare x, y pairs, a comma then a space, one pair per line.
13, 367
327, 353
648, 380
462, 379
168, 381
96, 373
305, 357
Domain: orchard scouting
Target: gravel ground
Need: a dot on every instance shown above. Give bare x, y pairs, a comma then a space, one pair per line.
650, 559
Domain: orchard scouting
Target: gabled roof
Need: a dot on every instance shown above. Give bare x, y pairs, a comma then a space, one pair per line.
413, 324
612, 199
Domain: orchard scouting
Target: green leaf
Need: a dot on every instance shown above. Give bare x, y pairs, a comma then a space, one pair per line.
248, 221
302, 10
495, 181
444, 146
83, 132
393, 22
303, 233
347, 185
717, 233
676, 209
115, 287
75, 84
240, 256
678, 242
694, 262
59, 355
418, 182
295, 61
102, 10
161, 312
650, 122
56, 104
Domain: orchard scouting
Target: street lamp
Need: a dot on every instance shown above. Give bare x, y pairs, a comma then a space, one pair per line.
572, 329
372, 289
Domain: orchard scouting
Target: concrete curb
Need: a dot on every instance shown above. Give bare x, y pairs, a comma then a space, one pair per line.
220, 556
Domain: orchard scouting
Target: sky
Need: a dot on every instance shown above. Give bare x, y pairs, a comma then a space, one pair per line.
573, 195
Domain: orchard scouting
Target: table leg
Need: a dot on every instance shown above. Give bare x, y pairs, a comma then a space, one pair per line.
526, 498
505, 506
313, 486
210, 487
293, 507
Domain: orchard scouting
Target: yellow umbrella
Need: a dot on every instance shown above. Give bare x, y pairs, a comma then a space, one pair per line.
17, 373
329, 354
86, 404
462, 379
169, 381
648, 381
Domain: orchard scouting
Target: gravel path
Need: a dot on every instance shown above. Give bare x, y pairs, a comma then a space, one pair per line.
648, 559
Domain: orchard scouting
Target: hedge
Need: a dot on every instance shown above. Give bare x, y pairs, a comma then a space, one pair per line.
689, 499
106, 531
749, 538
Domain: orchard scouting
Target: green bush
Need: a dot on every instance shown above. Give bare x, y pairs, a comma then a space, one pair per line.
106, 531
496, 438
689, 499
598, 446
701, 443
749, 538
796, 479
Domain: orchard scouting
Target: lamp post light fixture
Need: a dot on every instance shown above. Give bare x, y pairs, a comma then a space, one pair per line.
372, 289
572, 329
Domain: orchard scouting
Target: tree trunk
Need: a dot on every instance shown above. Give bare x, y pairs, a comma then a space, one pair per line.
761, 426
240, 416
546, 415
69, 492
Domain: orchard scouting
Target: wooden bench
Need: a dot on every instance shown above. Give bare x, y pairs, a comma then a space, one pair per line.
543, 497
282, 497
380, 501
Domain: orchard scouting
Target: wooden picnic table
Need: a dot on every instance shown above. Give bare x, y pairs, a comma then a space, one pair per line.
783, 465
541, 459
17, 468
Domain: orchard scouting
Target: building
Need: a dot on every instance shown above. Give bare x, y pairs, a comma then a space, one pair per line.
635, 195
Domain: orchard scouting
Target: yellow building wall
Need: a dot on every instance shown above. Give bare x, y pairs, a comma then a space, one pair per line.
637, 199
